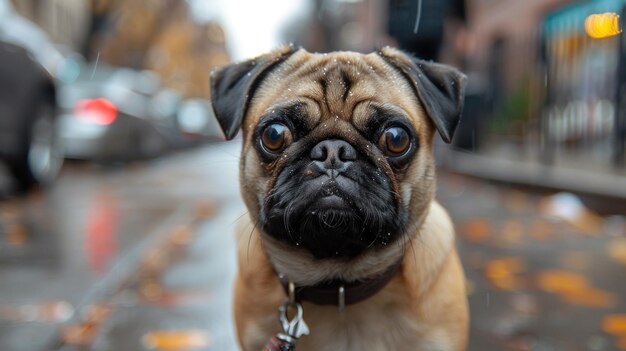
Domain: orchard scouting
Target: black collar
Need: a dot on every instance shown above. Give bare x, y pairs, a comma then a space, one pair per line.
330, 292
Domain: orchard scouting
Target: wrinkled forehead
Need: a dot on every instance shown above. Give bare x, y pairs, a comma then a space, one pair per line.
342, 85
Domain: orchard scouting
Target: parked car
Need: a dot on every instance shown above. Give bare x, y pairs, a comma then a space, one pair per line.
105, 115
112, 114
28, 139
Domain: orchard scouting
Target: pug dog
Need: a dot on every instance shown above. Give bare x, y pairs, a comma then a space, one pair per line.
338, 177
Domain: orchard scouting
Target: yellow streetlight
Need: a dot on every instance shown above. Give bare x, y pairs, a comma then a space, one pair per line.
602, 25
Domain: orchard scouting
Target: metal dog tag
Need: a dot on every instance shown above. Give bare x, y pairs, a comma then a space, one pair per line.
293, 329
296, 327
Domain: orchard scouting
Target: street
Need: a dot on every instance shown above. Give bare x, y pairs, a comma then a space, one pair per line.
142, 257
76, 249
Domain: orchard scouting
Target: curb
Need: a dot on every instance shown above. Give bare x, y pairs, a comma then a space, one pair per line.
579, 181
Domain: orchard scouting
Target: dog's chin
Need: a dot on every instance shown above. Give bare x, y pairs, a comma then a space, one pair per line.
334, 227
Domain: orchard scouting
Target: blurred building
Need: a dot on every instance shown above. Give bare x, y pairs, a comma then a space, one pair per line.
143, 34
356, 25
162, 36
548, 88
66, 21
503, 60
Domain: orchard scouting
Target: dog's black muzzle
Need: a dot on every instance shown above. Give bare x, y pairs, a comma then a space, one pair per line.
334, 202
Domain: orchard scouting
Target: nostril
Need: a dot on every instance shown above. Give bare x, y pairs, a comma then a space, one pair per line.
319, 153
347, 153
333, 151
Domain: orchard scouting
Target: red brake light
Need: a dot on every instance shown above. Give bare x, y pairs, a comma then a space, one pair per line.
99, 111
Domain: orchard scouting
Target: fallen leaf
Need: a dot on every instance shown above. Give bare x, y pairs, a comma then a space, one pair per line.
502, 272
82, 334
591, 297
476, 230
557, 281
97, 312
167, 340
614, 324
575, 289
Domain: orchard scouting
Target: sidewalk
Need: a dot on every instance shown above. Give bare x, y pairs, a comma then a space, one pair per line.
584, 176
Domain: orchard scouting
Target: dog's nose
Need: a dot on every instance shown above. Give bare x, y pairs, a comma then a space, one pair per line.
333, 154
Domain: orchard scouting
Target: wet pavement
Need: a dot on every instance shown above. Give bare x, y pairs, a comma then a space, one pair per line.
543, 273
142, 258
68, 253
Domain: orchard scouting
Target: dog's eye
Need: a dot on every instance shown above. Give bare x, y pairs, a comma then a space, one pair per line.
276, 137
395, 141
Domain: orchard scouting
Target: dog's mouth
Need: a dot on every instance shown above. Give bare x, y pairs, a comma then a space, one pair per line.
331, 201
333, 216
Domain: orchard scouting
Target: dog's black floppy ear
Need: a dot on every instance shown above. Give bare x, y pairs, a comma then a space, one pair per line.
440, 88
233, 86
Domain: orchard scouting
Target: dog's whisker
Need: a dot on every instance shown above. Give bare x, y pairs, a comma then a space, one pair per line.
250, 240
240, 217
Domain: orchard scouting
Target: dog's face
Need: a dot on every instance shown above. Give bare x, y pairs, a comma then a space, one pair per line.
336, 157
